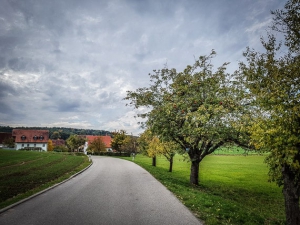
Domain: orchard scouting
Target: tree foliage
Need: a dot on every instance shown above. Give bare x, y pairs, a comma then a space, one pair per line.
55, 135
143, 141
199, 108
273, 81
152, 146
9, 142
50, 146
131, 145
97, 145
120, 140
75, 141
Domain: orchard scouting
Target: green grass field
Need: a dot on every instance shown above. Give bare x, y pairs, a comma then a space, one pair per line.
24, 173
234, 189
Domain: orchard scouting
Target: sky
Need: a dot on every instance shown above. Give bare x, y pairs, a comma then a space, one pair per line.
69, 63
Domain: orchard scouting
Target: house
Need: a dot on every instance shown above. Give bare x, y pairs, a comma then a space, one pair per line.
106, 140
31, 139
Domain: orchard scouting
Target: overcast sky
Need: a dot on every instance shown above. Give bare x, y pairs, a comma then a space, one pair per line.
69, 63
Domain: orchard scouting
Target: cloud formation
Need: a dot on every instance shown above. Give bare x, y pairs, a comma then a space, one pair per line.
69, 63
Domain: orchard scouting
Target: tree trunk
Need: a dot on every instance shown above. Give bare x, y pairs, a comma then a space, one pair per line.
194, 176
291, 192
154, 161
171, 164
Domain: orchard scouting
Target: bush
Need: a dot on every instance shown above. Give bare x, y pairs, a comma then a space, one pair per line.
60, 148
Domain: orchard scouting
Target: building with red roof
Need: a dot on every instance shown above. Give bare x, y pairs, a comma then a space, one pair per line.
106, 140
31, 139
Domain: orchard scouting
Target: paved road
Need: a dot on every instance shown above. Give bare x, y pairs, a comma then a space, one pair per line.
111, 191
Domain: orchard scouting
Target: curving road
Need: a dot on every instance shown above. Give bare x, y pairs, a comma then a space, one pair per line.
111, 191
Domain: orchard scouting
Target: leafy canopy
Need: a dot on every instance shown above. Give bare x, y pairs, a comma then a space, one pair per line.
198, 108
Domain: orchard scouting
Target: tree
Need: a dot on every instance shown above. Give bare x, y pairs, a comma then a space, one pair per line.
55, 135
97, 145
130, 145
153, 146
75, 141
143, 141
168, 150
154, 149
9, 142
199, 109
50, 146
273, 81
120, 140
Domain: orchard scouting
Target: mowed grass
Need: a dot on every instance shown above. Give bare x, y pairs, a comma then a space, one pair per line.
23, 173
233, 189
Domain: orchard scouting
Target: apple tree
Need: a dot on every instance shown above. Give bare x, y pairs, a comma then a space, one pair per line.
273, 81
199, 109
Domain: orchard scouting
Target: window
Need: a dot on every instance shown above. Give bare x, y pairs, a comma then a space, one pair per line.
23, 137
35, 137
22, 145
27, 145
43, 145
34, 145
41, 137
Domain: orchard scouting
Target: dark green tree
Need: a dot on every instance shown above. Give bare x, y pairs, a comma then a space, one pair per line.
273, 81
199, 109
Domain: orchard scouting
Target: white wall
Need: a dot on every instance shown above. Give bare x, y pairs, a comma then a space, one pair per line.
37, 145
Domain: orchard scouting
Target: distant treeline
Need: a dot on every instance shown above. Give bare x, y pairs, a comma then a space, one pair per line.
64, 132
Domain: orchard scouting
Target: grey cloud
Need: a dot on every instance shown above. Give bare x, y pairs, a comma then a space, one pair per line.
17, 64
2, 62
67, 105
8, 43
8, 113
6, 89
79, 57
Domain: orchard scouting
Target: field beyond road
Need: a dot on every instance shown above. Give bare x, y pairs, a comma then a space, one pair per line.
24, 173
234, 189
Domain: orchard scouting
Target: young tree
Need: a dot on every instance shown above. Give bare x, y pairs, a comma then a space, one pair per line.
143, 141
75, 141
131, 145
97, 145
154, 149
120, 140
50, 146
168, 150
9, 142
273, 81
199, 109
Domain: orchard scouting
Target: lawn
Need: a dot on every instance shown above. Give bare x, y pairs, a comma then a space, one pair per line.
234, 189
23, 173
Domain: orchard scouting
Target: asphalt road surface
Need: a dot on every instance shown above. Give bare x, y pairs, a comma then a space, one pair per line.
111, 191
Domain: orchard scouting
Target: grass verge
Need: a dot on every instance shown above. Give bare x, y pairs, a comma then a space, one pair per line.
233, 189
24, 173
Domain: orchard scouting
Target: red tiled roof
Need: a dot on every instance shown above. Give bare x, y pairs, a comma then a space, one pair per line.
30, 136
105, 139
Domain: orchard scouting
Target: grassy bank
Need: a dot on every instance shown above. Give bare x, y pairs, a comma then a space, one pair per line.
24, 173
233, 189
